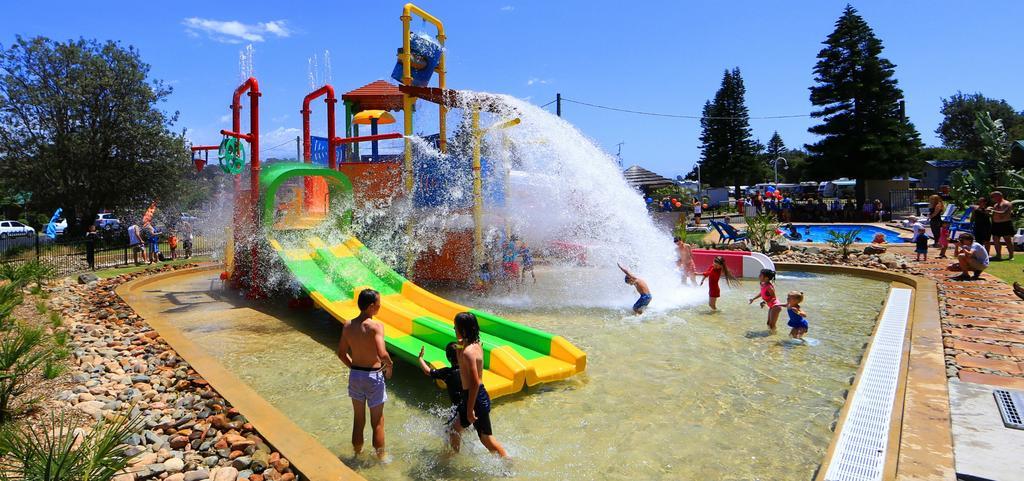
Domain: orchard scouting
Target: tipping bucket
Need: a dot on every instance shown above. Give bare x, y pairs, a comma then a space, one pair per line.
426, 54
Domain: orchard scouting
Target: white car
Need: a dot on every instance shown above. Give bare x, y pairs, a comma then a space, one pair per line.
107, 222
60, 226
13, 228
1018, 239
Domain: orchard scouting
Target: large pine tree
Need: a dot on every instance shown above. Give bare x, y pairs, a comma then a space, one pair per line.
865, 134
728, 151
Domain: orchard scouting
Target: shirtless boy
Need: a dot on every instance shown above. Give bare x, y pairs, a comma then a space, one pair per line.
362, 349
475, 405
685, 260
641, 288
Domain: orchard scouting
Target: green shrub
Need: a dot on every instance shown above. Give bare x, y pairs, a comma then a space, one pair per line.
10, 298
843, 240
41, 307
55, 319
28, 272
22, 350
760, 232
49, 452
53, 368
60, 338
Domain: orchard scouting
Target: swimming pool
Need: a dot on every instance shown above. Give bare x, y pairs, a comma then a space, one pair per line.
680, 393
819, 232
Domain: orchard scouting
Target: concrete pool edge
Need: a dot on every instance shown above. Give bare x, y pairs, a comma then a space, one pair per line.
921, 423
308, 456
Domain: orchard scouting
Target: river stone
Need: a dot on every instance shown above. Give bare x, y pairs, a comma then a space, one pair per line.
197, 475
87, 278
174, 465
241, 463
244, 474
211, 461
92, 408
226, 473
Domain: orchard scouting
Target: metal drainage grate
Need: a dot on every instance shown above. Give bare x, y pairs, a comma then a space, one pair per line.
863, 438
1011, 406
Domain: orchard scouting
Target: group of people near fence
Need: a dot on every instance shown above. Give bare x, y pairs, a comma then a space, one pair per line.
145, 242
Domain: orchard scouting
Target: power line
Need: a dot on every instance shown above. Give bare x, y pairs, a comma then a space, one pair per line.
677, 116
279, 145
549, 103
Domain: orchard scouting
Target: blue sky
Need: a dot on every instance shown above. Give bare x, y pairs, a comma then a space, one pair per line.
652, 56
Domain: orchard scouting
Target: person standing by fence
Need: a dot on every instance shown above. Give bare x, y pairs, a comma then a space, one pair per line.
90, 247
936, 208
135, 243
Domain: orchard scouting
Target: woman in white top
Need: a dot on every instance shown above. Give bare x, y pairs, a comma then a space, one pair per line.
697, 211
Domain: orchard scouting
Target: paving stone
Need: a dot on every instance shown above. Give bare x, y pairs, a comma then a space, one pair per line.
981, 347
991, 379
1008, 367
987, 335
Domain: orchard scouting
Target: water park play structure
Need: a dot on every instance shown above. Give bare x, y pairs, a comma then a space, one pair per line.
333, 272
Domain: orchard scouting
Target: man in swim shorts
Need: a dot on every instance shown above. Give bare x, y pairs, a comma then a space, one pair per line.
362, 349
474, 407
1002, 225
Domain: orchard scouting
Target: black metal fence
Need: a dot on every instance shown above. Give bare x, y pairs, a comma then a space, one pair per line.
68, 256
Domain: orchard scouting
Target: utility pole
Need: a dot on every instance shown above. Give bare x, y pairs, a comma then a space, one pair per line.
558, 104
618, 154
298, 149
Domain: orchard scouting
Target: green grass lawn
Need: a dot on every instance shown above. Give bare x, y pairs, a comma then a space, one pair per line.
1009, 271
106, 273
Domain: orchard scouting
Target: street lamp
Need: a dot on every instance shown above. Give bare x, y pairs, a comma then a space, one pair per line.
775, 166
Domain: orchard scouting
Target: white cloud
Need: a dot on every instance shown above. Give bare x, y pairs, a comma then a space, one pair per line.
224, 118
233, 31
279, 142
507, 8
537, 81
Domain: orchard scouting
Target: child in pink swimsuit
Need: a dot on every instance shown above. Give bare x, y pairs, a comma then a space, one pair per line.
768, 298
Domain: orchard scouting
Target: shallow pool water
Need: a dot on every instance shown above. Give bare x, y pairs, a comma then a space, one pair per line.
678, 394
819, 233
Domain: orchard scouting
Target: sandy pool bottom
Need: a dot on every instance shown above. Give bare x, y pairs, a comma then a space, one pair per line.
680, 394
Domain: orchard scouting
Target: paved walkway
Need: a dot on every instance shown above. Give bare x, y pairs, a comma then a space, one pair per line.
982, 325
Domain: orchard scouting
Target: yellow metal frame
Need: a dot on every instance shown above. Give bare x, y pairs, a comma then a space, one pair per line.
478, 194
408, 101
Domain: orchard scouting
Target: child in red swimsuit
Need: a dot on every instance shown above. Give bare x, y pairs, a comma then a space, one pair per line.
714, 272
768, 298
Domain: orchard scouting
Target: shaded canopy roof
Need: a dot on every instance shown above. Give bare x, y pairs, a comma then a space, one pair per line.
951, 164
641, 178
376, 95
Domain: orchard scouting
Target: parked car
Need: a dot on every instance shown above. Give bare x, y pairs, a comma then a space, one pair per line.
1018, 239
191, 219
107, 222
60, 226
13, 228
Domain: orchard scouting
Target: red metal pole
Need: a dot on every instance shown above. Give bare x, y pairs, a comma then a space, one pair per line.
332, 159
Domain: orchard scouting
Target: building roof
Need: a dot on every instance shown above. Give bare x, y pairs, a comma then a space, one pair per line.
376, 95
641, 178
951, 164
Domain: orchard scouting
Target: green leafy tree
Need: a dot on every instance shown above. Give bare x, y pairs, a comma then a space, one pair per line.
729, 154
959, 118
81, 129
864, 134
993, 171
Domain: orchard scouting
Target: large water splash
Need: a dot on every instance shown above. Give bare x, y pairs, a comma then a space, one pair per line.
564, 193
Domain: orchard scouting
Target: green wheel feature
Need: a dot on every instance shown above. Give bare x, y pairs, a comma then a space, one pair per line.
231, 155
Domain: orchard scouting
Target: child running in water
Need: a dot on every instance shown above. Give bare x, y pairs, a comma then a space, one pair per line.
450, 375
715, 271
524, 253
768, 299
797, 317
474, 406
641, 288
685, 260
